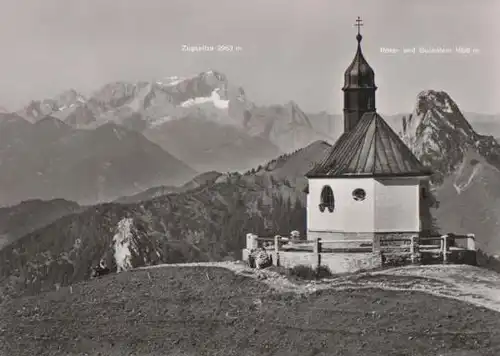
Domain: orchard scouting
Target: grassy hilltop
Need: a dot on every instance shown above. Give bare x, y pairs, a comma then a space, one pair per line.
213, 311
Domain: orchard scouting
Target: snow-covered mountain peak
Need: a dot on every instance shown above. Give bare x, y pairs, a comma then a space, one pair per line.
68, 98
214, 98
170, 81
214, 74
151, 102
59, 105
205, 97
116, 93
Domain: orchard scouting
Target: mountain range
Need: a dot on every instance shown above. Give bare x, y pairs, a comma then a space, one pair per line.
164, 211
203, 120
49, 159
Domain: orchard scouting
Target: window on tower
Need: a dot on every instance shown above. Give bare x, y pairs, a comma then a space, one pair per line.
327, 199
370, 103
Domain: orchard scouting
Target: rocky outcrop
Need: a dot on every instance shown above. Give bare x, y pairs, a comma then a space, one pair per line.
466, 167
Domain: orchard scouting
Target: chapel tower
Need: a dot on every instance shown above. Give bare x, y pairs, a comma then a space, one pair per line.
369, 184
359, 87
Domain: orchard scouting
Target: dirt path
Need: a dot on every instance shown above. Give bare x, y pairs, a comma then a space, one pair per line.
468, 283
474, 285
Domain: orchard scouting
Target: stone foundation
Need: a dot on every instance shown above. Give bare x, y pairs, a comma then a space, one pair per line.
336, 262
343, 235
351, 256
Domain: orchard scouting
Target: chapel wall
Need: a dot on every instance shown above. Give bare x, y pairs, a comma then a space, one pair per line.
349, 215
397, 202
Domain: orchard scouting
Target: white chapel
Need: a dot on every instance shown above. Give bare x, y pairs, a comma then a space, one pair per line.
369, 185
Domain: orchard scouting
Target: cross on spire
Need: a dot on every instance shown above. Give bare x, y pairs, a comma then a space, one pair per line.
358, 24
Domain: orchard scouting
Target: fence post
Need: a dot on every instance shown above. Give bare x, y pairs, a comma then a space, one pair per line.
471, 242
255, 242
317, 251
376, 243
444, 244
277, 249
251, 241
413, 253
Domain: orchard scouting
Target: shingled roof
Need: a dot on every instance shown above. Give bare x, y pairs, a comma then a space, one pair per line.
371, 149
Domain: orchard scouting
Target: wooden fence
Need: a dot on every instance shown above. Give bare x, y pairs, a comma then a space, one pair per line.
411, 246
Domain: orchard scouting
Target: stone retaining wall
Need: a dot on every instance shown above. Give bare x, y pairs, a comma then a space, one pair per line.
336, 262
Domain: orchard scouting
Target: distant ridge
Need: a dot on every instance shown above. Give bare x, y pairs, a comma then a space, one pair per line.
50, 159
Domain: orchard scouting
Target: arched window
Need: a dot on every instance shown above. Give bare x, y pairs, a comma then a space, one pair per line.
327, 199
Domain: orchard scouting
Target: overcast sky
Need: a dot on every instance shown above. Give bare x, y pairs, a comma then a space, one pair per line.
290, 49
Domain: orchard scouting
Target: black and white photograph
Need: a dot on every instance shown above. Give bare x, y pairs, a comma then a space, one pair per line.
249, 177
